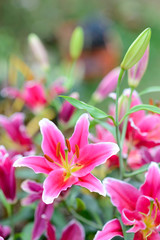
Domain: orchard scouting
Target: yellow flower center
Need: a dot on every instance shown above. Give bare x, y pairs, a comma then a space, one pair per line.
66, 164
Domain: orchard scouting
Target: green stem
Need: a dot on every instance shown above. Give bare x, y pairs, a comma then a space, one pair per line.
81, 218
126, 119
84, 220
117, 125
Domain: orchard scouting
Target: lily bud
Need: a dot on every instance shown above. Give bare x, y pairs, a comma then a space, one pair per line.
67, 109
107, 85
136, 73
136, 50
76, 43
38, 50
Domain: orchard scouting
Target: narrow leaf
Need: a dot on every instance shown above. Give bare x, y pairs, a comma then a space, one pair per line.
150, 90
137, 108
93, 111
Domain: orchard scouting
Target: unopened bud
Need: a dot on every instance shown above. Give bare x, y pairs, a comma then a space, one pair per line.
76, 43
107, 85
38, 50
136, 50
136, 73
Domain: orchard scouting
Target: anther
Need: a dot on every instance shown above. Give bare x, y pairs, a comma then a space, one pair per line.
151, 101
58, 149
48, 158
68, 145
158, 204
77, 150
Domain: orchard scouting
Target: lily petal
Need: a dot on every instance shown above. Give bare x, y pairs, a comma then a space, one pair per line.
54, 184
111, 229
51, 137
80, 135
123, 195
73, 231
151, 186
92, 184
93, 155
37, 163
51, 231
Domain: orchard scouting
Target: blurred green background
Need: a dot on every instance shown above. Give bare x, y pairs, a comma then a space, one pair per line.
128, 18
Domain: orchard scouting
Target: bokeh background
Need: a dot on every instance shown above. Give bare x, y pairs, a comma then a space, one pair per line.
54, 20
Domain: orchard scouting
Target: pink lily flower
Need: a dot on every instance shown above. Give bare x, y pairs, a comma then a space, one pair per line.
136, 73
5, 231
139, 208
35, 191
67, 109
7, 175
15, 129
73, 231
107, 85
33, 95
110, 230
71, 164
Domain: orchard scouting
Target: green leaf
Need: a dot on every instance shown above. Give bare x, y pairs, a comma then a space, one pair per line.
150, 90
105, 125
137, 108
94, 112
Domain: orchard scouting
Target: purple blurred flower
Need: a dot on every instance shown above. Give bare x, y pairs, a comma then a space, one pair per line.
43, 210
5, 231
67, 109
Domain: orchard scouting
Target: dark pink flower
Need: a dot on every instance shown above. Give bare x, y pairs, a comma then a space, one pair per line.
7, 175
73, 231
21, 143
67, 109
68, 162
139, 208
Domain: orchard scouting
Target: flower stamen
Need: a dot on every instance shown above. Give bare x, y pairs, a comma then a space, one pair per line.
58, 149
68, 145
77, 150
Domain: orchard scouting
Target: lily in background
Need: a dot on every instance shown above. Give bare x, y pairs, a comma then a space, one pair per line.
68, 162
7, 175
73, 231
5, 231
35, 190
17, 141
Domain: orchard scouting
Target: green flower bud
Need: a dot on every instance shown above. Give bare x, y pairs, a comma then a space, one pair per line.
136, 50
76, 43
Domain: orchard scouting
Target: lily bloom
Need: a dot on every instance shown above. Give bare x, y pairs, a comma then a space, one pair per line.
139, 208
35, 193
110, 230
33, 95
73, 231
19, 142
68, 162
7, 175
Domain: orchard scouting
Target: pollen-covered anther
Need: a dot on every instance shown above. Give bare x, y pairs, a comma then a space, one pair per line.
48, 158
151, 101
158, 204
68, 145
58, 149
77, 150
